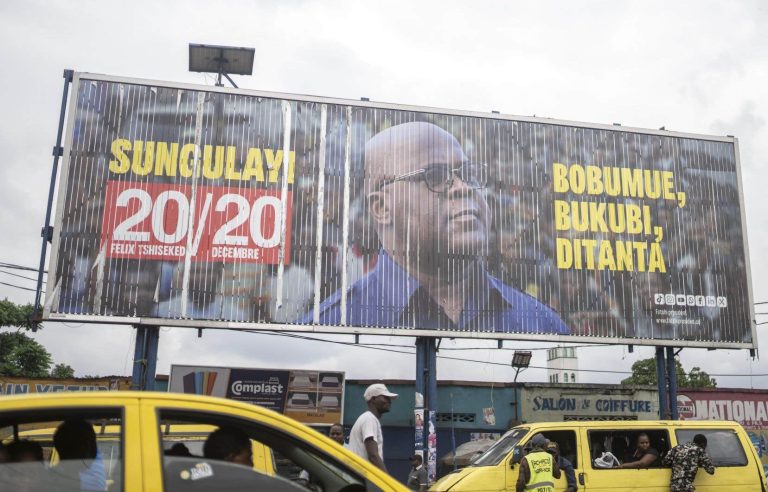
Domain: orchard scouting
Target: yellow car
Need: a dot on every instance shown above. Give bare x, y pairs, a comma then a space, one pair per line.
192, 437
147, 441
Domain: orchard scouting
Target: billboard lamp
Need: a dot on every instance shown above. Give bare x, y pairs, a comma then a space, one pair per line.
221, 60
521, 359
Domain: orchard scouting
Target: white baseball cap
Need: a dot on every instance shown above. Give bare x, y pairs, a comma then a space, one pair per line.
377, 389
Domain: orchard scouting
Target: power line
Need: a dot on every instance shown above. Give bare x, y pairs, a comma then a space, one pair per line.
19, 267
20, 287
17, 275
459, 359
378, 345
304, 337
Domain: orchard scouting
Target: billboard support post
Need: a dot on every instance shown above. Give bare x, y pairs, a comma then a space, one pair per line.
145, 357
58, 151
426, 385
672, 370
420, 387
661, 381
138, 357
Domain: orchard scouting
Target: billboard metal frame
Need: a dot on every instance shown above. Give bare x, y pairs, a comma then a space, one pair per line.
382, 331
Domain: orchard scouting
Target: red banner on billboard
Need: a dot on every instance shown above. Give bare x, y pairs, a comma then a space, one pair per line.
158, 221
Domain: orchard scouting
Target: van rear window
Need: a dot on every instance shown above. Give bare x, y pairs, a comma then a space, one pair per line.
723, 445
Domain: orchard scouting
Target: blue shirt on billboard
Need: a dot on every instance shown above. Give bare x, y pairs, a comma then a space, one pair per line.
389, 297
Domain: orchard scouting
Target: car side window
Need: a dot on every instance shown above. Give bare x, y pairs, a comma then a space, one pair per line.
566, 443
723, 445
62, 450
219, 452
610, 448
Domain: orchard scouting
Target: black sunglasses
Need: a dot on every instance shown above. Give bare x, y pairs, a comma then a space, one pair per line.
440, 177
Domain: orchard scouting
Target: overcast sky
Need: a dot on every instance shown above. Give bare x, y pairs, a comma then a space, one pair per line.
697, 66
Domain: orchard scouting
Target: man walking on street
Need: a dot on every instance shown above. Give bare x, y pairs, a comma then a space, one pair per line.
365, 438
685, 460
538, 469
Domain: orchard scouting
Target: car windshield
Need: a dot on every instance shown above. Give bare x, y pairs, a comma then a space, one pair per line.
502, 448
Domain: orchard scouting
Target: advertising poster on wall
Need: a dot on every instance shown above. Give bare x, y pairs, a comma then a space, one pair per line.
10, 385
418, 416
431, 447
182, 205
311, 397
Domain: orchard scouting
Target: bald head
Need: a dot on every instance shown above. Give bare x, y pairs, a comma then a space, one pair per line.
408, 147
413, 222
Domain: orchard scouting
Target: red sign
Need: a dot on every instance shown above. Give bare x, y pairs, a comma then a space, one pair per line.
747, 408
161, 221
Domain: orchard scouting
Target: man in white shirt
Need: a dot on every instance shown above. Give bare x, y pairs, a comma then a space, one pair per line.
365, 438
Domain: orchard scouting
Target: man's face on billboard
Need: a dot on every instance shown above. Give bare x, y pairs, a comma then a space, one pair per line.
430, 196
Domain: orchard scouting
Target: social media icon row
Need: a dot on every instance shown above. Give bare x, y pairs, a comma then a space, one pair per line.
661, 299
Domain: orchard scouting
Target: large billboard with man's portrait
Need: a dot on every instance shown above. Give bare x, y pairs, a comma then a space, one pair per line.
184, 205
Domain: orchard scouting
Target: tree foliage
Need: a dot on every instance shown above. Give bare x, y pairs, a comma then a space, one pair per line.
20, 354
644, 372
15, 315
62, 371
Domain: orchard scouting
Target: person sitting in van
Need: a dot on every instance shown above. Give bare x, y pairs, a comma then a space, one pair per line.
620, 446
79, 456
178, 449
565, 465
538, 469
685, 460
229, 444
644, 456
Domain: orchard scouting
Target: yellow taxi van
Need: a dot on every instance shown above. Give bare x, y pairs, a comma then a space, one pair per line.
136, 431
192, 437
585, 443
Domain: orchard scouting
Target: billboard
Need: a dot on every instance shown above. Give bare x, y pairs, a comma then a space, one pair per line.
184, 205
311, 397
